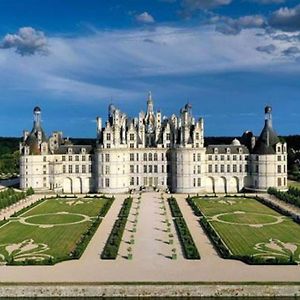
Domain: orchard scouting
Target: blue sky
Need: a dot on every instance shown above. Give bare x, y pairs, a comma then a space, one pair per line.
228, 58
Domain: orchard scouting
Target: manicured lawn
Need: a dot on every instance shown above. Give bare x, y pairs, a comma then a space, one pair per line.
50, 232
295, 184
245, 226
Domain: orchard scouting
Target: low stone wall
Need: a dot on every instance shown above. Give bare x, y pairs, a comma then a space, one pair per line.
149, 290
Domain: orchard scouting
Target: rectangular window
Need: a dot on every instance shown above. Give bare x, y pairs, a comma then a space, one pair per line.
241, 168
234, 157
108, 136
137, 157
44, 158
209, 168
216, 168
222, 157
278, 169
197, 135
155, 168
76, 158
228, 168
137, 168
222, 169
107, 157
145, 169
162, 157
131, 156
70, 158
70, 169
279, 158
209, 157
131, 168
107, 170
131, 180
194, 156
194, 182
198, 156
131, 145
77, 169
168, 136
199, 181
108, 145
150, 169
163, 169
246, 168
83, 169
64, 169
107, 182
131, 137
234, 168
199, 169
145, 156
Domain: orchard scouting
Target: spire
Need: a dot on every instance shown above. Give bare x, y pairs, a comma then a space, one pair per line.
37, 117
149, 103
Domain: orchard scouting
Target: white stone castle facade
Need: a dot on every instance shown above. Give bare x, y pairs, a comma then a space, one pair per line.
152, 151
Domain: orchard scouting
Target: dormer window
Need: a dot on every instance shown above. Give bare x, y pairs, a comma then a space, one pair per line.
197, 135
70, 150
108, 136
240, 150
228, 150
131, 137
83, 150
216, 150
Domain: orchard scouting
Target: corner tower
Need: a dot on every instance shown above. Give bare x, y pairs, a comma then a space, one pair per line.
269, 158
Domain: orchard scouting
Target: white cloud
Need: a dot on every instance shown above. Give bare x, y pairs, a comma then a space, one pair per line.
193, 5
27, 41
145, 17
229, 26
119, 63
287, 19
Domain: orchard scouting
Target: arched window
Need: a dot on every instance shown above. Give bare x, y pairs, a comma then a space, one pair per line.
155, 156
145, 156
150, 156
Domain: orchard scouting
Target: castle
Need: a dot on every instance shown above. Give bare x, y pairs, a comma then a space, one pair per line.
152, 151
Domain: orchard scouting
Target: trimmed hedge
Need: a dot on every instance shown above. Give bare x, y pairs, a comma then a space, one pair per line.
113, 242
291, 197
112, 245
105, 208
189, 248
23, 210
194, 207
175, 210
124, 212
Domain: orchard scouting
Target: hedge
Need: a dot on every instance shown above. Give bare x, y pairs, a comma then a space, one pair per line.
124, 212
175, 210
190, 250
193, 206
113, 242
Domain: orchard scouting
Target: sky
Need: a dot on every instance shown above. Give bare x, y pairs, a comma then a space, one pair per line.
227, 58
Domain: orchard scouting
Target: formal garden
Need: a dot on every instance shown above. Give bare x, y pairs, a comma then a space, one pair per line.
51, 230
248, 230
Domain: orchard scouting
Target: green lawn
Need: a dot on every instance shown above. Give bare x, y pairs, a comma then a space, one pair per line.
51, 232
295, 184
244, 227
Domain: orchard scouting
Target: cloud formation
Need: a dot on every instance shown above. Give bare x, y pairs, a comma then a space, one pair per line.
27, 41
229, 26
287, 19
144, 17
291, 51
267, 49
191, 6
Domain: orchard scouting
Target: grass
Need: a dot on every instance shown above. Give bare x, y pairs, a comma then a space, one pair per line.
244, 240
60, 240
295, 184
